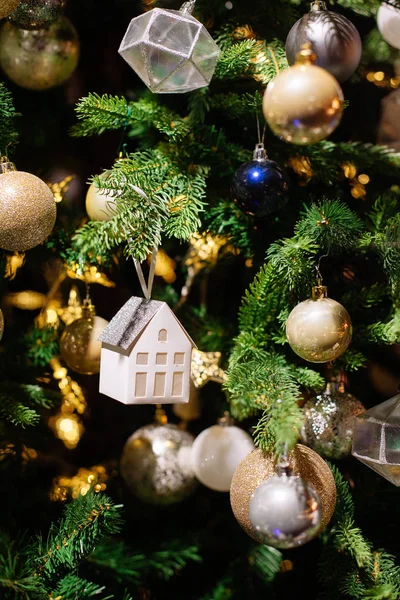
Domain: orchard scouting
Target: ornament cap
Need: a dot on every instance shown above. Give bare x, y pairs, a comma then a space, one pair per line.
306, 56
160, 418
259, 152
88, 309
318, 5
188, 7
319, 292
226, 420
5, 165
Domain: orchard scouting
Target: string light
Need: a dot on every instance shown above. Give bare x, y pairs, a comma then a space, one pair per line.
80, 484
357, 182
60, 188
165, 266
380, 79
89, 274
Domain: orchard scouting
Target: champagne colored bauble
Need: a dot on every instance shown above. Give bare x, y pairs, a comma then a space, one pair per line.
100, 205
285, 511
257, 467
156, 464
37, 14
7, 6
41, 59
79, 345
388, 18
304, 103
217, 452
27, 211
334, 39
319, 329
329, 425
1, 324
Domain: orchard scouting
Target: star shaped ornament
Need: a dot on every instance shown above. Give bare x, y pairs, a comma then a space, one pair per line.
205, 368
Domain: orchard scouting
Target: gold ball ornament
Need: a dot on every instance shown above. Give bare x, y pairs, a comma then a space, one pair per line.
1, 324
27, 209
304, 103
79, 345
40, 59
100, 203
319, 329
257, 467
7, 6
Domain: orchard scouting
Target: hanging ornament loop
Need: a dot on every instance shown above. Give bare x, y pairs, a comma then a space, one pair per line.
188, 7
5, 165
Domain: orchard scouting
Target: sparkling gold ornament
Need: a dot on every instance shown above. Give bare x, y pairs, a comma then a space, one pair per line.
37, 14
41, 59
100, 203
205, 368
1, 324
304, 103
257, 467
79, 345
156, 464
27, 209
7, 6
319, 329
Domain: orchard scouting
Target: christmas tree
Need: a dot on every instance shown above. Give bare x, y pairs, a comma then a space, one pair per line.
231, 271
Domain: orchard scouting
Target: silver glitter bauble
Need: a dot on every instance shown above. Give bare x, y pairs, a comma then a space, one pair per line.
156, 464
335, 40
285, 511
330, 422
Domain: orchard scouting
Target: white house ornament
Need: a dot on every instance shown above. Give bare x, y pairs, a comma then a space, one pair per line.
156, 464
319, 329
335, 41
146, 355
388, 18
27, 209
170, 50
218, 451
303, 104
376, 440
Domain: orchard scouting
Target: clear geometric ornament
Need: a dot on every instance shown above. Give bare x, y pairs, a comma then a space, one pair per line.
376, 440
170, 50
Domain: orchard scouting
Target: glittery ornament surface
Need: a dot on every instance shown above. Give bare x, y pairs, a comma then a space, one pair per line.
37, 14
1, 324
205, 367
257, 467
79, 344
156, 464
27, 211
319, 330
41, 59
6, 7
329, 424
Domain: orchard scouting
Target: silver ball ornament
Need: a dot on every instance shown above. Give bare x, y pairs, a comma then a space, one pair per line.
329, 422
388, 18
334, 39
285, 511
156, 464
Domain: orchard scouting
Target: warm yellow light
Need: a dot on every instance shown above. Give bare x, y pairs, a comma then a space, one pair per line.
363, 179
371, 76
379, 76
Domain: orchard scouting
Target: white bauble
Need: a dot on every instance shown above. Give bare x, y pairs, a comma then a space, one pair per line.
388, 18
216, 454
100, 205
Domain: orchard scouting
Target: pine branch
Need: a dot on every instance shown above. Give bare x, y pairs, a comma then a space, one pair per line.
8, 133
17, 582
42, 345
129, 566
265, 561
16, 401
252, 58
72, 586
86, 521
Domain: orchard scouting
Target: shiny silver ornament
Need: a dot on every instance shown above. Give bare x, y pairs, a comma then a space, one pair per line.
329, 422
285, 511
335, 41
156, 464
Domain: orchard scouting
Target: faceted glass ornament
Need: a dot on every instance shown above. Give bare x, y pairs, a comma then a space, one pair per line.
170, 50
376, 440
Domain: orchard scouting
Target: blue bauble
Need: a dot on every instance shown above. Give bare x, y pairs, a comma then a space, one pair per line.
260, 186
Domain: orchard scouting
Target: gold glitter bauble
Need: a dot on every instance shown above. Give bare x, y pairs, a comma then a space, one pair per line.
37, 14
257, 467
27, 211
319, 329
79, 345
1, 324
156, 464
303, 104
41, 59
7, 6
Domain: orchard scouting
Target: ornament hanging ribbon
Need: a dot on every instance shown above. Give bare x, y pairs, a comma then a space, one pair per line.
146, 287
